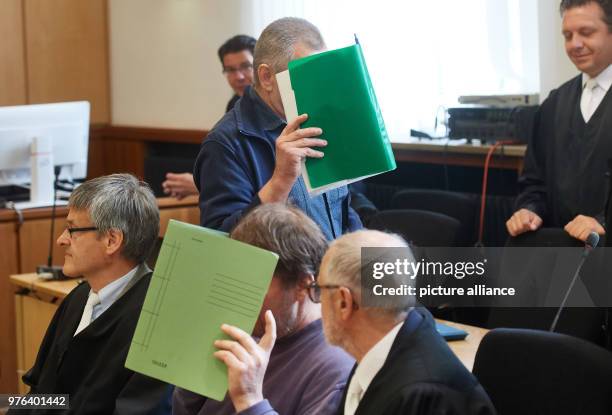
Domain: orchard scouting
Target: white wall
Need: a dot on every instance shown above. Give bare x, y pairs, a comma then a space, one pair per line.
165, 71
555, 66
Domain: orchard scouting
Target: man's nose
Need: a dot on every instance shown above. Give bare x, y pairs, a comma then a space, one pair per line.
63, 238
576, 42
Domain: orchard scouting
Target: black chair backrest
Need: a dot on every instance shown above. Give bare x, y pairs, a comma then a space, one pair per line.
460, 206
420, 227
541, 373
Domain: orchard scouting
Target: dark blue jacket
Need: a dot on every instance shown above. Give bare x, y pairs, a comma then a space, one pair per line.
236, 160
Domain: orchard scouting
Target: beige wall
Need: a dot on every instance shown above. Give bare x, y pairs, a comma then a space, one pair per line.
164, 66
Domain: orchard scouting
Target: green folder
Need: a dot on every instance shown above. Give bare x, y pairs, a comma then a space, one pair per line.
202, 279
335, 90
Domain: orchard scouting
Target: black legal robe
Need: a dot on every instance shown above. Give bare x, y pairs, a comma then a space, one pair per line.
566, 160
422, 376
90, 366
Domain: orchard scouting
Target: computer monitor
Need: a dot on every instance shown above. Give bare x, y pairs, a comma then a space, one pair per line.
36, 138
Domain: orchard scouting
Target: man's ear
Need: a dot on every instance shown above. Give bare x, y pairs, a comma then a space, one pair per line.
114, 240
266, 77
346, 303
302, 287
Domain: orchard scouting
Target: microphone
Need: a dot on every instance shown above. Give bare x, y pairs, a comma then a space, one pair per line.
590, 244
51, 271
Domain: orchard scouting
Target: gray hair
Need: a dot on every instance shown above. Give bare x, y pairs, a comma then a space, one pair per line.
344, 267
288, 232
276, 45
121, 202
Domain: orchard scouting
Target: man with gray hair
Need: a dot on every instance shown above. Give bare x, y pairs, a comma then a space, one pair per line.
403, 365
254, 155
112, 224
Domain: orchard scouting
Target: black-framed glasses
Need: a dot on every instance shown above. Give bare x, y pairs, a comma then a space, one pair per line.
244, 68
84, 229
314, 290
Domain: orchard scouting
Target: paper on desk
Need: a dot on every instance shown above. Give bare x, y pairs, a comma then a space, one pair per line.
202, 279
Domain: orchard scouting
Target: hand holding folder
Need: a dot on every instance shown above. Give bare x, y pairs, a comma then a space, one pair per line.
292, 147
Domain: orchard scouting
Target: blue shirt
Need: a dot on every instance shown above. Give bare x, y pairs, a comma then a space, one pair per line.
111, 292
237, 159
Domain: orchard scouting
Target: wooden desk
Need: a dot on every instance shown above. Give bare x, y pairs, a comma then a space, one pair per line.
25, 245
449, 152
466, 349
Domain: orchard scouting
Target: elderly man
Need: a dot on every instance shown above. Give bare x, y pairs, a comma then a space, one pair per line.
564, 184
254, 155
236, 56
112, 224
299, 373
403, 365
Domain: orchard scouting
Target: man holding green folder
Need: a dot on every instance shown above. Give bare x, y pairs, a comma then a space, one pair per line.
291, 370
254, 155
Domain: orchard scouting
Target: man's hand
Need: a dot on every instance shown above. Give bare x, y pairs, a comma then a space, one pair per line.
292, 146
246, 362
179, 185
523, 221
582, 226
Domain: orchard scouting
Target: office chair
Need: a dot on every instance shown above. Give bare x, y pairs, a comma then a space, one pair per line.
456, 205
541, 373
422, 228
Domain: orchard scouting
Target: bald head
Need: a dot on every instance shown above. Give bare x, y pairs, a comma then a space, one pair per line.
343, 259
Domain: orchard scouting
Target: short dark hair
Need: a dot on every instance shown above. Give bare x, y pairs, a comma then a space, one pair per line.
236, 44
606, 7
288, 232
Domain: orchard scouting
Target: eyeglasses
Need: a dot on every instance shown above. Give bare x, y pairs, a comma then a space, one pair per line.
314, 290
244, 69
85, 229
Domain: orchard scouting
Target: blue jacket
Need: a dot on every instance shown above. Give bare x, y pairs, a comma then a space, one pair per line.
236, 160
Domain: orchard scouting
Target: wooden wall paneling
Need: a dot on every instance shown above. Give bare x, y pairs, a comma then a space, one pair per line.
34, 243
12, 57
8, 266
36, 316
67, 53
109, 155
185, 214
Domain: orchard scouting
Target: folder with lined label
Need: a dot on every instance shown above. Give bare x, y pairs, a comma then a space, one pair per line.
202, 279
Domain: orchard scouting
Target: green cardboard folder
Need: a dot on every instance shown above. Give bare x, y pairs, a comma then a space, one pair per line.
335, 90
201, 280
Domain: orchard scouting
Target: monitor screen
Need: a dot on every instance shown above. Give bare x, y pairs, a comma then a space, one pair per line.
66, 124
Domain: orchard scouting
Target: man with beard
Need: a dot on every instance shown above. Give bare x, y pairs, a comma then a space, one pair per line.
298, 373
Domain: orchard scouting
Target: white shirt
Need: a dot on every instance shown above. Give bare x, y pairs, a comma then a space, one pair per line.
590, 100
369, 366
111, 293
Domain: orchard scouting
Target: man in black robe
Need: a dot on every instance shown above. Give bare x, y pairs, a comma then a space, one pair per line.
403, 365
564, 184
112, 223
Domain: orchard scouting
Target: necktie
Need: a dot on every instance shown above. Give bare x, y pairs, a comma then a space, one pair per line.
588, 101
353, 396
92, 301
